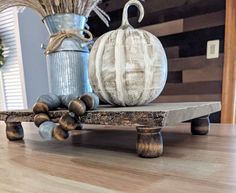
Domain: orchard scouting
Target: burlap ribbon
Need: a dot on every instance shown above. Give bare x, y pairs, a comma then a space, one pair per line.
57, 38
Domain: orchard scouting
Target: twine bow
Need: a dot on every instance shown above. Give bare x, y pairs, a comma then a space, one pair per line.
57, 38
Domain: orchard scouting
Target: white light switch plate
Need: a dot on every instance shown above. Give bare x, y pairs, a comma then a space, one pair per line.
213, 49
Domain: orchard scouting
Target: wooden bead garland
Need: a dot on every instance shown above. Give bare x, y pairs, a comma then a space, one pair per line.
91, 100
40, 107
60, 134
66, 99
51, 100
77, 106
40, 118
46, 130
69, 121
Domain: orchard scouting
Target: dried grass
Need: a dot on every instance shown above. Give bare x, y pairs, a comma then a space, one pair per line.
49, 7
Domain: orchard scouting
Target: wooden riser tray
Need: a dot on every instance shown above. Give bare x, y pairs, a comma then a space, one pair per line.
149, 121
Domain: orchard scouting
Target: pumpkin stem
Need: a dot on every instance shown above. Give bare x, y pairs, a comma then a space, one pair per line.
125, 22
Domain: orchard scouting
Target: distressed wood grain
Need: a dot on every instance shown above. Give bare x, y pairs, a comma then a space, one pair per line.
172, 52
190, 88
204, 21
161, 114
188, 24
208, 73
194, 62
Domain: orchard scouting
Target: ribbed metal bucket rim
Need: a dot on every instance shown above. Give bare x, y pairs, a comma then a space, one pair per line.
63, 14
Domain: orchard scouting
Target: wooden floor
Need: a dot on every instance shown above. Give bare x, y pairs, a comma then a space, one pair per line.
104, 161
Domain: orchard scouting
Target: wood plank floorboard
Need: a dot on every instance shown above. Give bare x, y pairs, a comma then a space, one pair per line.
103, 160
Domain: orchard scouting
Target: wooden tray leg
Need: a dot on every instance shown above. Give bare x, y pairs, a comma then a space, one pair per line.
14, 131
149, 142
200, 126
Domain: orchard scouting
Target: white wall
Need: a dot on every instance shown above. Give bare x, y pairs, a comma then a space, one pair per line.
32, 34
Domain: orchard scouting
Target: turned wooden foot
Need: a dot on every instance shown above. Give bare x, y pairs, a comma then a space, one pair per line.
200, 126
149, 142
14, 131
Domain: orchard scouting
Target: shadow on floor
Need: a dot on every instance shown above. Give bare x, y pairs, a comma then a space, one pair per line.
103, 139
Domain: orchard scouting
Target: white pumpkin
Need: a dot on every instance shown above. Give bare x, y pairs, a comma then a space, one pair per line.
128, 66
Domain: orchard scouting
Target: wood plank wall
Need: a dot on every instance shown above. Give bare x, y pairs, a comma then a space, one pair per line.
184, 27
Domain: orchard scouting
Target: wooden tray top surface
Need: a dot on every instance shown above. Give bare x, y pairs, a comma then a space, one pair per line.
155, 114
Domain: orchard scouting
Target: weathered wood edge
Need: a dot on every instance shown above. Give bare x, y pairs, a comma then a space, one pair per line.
97, 118
129, 118
193, 113
156, 119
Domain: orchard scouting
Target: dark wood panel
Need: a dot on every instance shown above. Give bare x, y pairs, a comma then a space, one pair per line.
213, 87
175, 77
189, 24
193, 37
166, 28
158, 14
197, 48
149, 5
208, 73
215, 117
204, 21
172, 52
196, 62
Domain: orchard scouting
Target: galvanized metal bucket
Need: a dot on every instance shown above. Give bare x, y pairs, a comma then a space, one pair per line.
68, 65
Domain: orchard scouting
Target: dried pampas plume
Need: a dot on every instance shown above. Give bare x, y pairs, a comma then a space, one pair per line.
49, 7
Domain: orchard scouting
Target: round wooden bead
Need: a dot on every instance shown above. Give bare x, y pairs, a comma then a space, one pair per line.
66, 99
46, 130
40, 118
78, 107
60, 134
52, 100
40, 107
91, 100
68, 123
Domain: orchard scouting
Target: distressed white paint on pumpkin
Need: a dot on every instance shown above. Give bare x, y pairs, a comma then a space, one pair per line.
128, 66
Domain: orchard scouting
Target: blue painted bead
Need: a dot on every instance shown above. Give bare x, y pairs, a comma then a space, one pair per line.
66, 99
52, 100
46, 130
